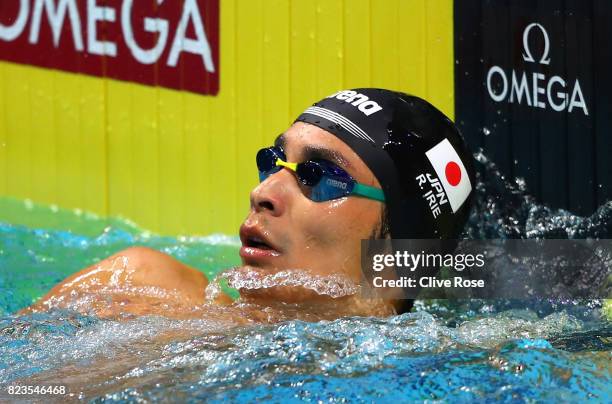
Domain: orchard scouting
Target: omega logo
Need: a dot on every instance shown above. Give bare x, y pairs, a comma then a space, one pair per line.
533, 88
527, 57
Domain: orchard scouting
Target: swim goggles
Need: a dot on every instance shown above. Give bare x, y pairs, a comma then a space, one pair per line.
323, 180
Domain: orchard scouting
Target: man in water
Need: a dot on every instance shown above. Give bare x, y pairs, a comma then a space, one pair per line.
359, 164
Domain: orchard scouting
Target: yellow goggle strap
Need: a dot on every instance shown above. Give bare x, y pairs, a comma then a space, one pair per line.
291, 166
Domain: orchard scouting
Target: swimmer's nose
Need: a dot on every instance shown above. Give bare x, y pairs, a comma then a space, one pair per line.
271, 195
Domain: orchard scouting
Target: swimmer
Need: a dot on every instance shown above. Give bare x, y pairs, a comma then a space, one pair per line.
351, 167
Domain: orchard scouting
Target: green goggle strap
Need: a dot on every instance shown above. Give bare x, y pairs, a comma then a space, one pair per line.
368, 192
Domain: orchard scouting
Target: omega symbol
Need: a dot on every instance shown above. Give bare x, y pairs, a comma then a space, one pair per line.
527, 57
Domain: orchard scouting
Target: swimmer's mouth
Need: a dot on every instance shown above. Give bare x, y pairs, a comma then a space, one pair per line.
255, 244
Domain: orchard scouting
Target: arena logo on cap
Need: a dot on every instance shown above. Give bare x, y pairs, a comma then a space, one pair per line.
361, 101
451, 173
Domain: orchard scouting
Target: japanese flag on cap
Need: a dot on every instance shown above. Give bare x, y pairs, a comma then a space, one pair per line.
451, 172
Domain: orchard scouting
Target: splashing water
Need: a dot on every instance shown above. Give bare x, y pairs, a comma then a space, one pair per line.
462, 350
247, 278
504, 209
415, 356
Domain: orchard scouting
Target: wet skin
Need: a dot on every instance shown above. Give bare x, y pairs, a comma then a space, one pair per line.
284, 230
320, 237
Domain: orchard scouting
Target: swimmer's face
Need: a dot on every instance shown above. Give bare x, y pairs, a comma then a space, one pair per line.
321, 238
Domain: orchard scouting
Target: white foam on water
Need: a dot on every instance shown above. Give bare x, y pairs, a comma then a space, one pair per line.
333, 285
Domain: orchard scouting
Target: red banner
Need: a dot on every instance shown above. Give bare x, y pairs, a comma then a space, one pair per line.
169, 43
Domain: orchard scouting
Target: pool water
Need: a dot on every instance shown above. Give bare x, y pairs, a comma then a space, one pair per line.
463, 351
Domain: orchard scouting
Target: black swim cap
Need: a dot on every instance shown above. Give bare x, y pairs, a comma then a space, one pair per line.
416, 153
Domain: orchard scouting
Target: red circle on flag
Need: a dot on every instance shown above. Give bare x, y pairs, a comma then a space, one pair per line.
453, 173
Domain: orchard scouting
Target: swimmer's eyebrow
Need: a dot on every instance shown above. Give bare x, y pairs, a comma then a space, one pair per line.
320, 153
311, 152
280, 141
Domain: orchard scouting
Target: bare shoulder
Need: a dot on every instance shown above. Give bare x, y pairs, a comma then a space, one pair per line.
143, 266
134, 272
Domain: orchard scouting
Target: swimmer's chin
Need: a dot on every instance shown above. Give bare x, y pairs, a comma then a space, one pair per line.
256, 267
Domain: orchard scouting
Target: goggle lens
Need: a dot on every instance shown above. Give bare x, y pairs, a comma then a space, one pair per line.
266, 161
309, 173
